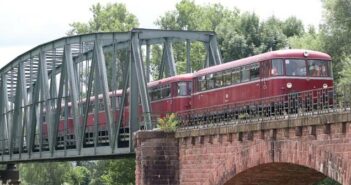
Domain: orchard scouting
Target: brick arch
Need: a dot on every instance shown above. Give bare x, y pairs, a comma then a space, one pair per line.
305, 154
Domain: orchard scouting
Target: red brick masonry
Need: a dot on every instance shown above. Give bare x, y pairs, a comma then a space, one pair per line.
292, 151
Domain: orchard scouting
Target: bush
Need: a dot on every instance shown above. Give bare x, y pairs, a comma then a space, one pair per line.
168, 123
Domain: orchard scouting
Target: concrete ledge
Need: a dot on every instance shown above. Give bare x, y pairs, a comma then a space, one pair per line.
232, 127
149, 134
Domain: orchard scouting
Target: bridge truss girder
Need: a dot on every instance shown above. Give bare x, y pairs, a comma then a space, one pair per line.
48, 92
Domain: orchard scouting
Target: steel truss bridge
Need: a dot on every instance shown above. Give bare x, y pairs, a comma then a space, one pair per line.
48, 92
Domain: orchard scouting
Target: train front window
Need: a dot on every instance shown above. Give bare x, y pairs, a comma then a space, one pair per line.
277, 67
318, 68
295, 67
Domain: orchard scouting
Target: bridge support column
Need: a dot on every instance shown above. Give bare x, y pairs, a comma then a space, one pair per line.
10, 175
157, 158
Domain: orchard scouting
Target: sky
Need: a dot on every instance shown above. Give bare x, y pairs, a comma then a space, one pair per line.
26, 24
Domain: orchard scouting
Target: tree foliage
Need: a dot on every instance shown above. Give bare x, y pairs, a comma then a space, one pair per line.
52, 173
109, 18
336, 34
239, 34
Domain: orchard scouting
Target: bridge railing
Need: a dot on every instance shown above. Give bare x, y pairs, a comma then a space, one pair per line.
292, 105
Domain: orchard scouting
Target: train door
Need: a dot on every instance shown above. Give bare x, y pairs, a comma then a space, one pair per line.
265, 69
166, 105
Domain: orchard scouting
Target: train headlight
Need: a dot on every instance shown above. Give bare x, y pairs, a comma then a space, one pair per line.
325, 86
306, 54
289, 85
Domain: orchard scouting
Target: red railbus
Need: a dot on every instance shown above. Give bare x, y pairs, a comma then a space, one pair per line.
266, 75
260, 76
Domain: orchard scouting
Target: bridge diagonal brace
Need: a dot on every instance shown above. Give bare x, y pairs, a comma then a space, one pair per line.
213, 52
87, 103
71, 76
45, 93
102, 75
34, 116
169, 58
14, 130
121, 110
138, 64
26, 107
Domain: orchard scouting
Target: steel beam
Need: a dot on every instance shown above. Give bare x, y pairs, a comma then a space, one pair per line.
14, 126
3, 110
45, 97
147, 62
102, 75
133, 101
73, 90
140, 73
188, 62
169, 58
214, 53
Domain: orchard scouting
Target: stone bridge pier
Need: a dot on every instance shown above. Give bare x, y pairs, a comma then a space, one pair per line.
300, 151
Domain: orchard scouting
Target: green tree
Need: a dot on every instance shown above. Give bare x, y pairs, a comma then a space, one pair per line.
336, 33
239, 34
52, 173
109, 18
293, 27
309, 40
118, 172
78, 175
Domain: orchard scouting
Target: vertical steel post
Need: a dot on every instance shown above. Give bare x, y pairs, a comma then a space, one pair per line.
188, 62
3, 110
133, 100
147, 61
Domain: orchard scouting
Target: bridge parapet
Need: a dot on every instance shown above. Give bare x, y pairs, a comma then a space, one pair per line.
301, 150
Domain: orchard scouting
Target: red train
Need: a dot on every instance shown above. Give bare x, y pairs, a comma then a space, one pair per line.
261, 76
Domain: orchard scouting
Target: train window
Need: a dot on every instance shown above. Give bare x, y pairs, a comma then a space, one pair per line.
277, 67
166, 91
101, 105
202, 81
227, 78
254, 71
295, 67
182, 89
118, 101
155, 94
318, 68
245, 74
236, 76
218, 79
210, 81
190, 87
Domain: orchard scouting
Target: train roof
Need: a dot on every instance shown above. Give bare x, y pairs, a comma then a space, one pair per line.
288, 53
177, 78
